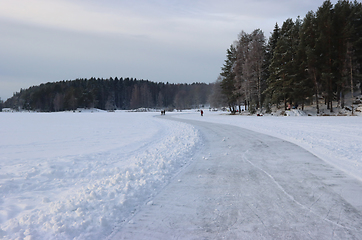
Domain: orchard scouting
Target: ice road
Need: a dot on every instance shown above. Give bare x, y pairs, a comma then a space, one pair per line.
247, 185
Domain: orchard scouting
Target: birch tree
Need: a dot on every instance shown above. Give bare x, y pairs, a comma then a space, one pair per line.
255, 60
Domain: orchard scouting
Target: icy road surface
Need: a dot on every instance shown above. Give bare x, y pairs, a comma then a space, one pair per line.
247, 185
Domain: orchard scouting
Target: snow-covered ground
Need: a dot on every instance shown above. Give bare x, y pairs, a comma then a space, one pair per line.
76, 175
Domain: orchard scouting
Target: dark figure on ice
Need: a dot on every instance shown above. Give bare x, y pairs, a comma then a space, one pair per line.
202, 113
163, 112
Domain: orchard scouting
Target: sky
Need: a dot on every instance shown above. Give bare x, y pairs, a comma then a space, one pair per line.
159, 40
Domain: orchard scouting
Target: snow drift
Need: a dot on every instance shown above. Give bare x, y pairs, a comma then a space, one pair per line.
74, 176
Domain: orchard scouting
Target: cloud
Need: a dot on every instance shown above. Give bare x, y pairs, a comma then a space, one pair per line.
159, 40
38, 54
156, 19
152, 18
58, 14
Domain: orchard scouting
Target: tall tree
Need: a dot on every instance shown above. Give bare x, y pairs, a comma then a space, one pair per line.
146, 97
281, 69
302, 88
216, 98
270, 48
241, 82
1, 104
228, 77
310, 61
342, 25
269, 54
249, 67
255, 60
325, 44
357, 41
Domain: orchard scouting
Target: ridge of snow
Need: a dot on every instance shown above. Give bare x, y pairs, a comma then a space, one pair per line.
115, 162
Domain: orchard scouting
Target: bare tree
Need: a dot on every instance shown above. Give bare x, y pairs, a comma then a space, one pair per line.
255, 61
216, 98
249, 66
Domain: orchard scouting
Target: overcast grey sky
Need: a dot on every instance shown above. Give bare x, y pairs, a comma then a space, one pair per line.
159, 40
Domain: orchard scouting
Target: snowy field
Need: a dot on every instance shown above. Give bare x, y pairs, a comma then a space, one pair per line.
75, 175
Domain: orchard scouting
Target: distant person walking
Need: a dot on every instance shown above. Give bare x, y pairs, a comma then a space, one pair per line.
202, 113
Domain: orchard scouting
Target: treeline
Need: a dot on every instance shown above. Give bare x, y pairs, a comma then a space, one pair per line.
109, 94
318, 57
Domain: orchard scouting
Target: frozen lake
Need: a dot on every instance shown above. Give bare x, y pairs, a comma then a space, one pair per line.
82, 175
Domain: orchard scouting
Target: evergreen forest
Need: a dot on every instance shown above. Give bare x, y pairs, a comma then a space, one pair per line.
109, 94
314, 60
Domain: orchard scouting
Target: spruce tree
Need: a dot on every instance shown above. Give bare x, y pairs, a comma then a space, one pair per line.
228, 77
301, 84
269, 54
280, 82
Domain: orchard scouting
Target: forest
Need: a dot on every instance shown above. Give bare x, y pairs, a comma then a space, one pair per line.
305, 61
109, 94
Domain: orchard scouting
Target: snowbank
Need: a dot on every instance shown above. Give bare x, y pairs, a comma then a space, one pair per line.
75, 175
295, 112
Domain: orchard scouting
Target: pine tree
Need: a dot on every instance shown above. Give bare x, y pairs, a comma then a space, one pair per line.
269, 54
356, 19
342, 25
325, 45
300, 83
241, 82
228, 77
269, 49
280, 82
310, 61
